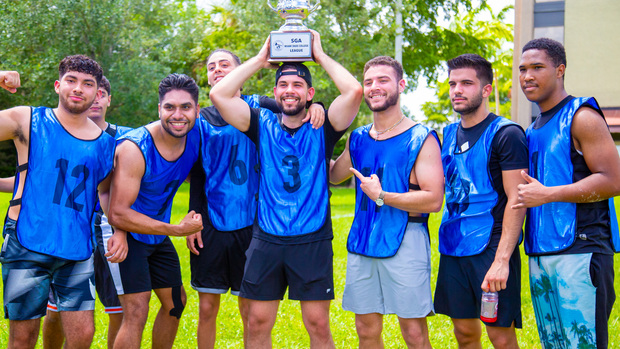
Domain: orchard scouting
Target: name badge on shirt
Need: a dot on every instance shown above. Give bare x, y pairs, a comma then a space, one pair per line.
464, 146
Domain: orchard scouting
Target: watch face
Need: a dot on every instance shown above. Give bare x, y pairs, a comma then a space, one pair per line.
379, 202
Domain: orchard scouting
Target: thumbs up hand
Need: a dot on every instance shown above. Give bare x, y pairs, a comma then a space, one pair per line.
531, 194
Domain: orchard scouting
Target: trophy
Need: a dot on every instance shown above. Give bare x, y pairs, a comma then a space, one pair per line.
293, 41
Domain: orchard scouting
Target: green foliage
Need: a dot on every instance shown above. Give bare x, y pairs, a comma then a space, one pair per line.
137, 43
8, 159
352, 32
356, 31
487, 38
439, 113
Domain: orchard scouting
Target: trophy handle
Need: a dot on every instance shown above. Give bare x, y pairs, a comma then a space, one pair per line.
318, 2
271, 7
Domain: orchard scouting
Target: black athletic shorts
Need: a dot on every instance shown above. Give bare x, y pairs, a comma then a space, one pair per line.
307, 270
149, 267
602, 273
458, 289
104, 284
219, 266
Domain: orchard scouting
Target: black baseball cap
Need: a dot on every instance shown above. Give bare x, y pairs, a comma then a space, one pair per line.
294, 68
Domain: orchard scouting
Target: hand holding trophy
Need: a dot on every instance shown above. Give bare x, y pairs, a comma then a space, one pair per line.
293, 41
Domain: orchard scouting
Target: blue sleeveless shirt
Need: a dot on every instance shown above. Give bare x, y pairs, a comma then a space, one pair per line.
293, 192
467, 220
229, 161
161, 177
551, 227
60, 190
378, 231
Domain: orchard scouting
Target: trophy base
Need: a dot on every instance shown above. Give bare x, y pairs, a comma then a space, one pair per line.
290, 46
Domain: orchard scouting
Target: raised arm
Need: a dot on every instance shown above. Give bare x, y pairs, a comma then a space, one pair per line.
223, 95
14, 124
339, 169
9, 80
316, 115
344, 108
125, 187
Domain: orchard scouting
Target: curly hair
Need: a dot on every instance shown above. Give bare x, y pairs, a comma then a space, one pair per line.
554, 49
80, 64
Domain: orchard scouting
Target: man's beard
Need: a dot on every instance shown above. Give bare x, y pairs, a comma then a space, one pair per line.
471, 106
174, 133
392, 99
291, 111
75, 108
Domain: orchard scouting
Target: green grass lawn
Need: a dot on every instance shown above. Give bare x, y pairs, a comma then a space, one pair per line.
289, 331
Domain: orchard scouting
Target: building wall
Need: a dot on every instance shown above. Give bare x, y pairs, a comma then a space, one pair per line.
523, 32
589, 31
592, 42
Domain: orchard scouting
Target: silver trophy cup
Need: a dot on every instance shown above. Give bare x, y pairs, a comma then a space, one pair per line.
293, 41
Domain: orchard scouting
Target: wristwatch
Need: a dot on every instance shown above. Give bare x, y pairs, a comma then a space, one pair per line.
379, 200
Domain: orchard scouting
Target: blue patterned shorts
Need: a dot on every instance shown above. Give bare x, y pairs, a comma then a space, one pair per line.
29, 276
571, 294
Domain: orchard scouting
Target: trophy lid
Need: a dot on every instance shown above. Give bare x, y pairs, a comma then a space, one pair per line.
294, 9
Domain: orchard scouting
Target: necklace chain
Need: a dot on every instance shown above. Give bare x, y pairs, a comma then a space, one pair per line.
389, 128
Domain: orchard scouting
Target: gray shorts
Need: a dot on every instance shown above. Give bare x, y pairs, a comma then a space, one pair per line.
398, 285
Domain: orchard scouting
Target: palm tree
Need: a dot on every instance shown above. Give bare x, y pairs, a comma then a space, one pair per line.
575, 329
537, 292
587, 334
547, 290
555, 339
487, 38
583, 335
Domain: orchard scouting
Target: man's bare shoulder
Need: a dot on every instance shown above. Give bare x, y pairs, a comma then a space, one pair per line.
588, 114
590, 126
127, 149
16, 121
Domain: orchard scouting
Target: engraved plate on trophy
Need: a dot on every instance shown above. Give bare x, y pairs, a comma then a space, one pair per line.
293, 41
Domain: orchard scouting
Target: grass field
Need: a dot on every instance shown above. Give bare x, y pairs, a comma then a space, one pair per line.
289, 331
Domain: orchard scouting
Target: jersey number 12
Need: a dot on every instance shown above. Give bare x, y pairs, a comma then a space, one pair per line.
77, 172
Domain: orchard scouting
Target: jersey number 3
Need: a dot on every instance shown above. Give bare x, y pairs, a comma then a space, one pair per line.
292, 164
